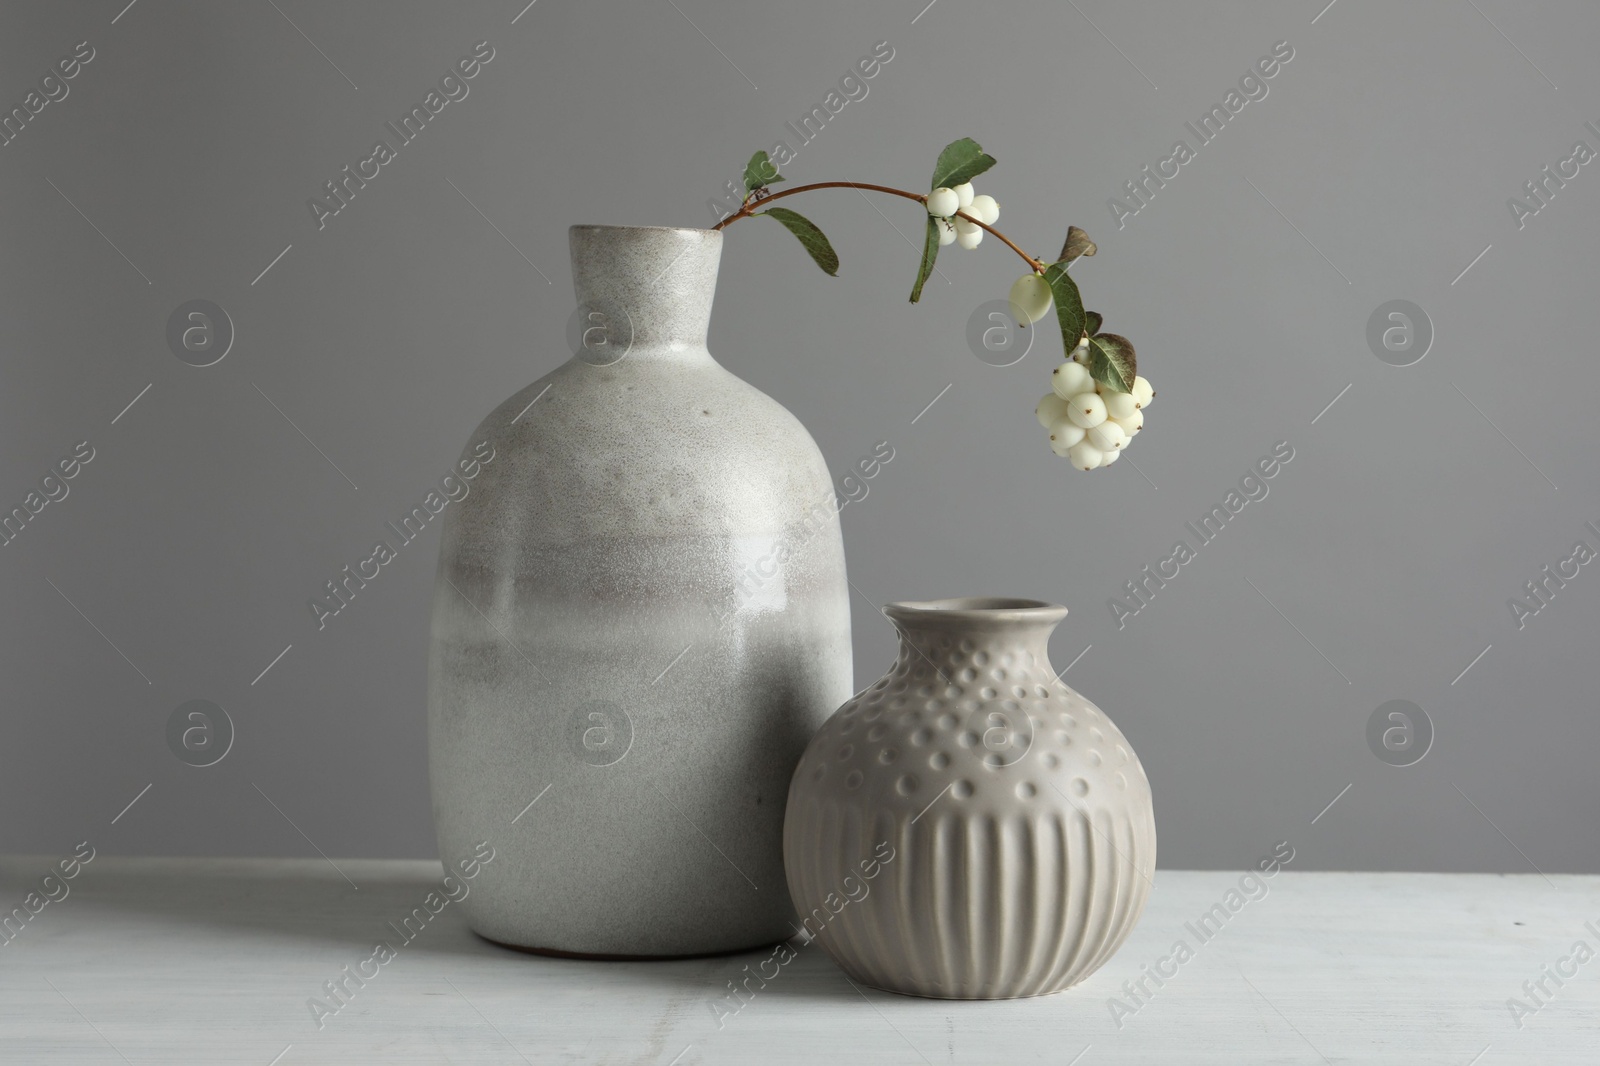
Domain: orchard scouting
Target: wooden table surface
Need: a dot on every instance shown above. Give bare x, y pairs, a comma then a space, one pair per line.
167, 961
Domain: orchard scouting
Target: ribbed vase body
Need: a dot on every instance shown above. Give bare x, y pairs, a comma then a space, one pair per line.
969, 827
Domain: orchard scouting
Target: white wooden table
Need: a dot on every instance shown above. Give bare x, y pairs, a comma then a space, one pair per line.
165, 961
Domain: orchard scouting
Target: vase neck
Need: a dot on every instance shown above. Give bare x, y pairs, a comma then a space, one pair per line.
945, 631
645, 289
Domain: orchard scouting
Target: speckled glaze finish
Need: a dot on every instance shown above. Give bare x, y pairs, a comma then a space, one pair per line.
639, 621
1016, 820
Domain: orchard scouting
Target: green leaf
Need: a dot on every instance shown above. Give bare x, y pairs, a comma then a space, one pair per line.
1069, 305
1091, 322
760, 171
810, 236
1112, 362
960, 162
1078, 243
930, 252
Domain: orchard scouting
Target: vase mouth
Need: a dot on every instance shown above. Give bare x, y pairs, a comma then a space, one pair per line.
975, 610
594, 227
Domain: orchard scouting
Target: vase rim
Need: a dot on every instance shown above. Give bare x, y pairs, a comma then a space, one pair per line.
980, 610
705, 230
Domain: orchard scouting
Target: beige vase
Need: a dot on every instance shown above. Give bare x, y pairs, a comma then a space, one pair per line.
969, 827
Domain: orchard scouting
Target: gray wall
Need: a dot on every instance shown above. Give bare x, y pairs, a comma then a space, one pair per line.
1379, 566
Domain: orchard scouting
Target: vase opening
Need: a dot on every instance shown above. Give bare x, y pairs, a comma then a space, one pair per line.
975, 610
928, 627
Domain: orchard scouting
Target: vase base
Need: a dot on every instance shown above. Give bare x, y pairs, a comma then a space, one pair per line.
973, 998
593, 956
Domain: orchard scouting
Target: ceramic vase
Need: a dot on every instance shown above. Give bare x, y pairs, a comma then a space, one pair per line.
969, 827
639, 620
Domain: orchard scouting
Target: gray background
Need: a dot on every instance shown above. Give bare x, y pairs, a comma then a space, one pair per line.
1392, 540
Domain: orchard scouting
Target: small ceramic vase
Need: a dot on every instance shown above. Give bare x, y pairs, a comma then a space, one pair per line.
969, 827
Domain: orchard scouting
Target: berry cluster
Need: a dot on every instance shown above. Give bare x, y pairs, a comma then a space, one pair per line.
944, 203
1088, 423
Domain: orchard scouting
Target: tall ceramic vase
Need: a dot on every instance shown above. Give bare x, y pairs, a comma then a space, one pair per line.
969, 827
639, 621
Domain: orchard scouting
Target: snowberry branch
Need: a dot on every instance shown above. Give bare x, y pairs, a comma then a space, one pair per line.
753, 200
1097, 398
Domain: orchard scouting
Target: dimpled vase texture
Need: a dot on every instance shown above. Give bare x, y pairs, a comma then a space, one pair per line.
969, 827
640, 619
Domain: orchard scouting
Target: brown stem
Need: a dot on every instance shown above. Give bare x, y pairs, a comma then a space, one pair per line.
1038, 267
746, 210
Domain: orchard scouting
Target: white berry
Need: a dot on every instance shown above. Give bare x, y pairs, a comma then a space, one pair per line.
1052, 410
1064, 435
970, 237
1132, 424
1085, 456
964, 194
1069, 379
984, 209
1086, 410
1107, 436
1142, 392
1110, 457
1030, 299
943, 202
1120, 404
947, 232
